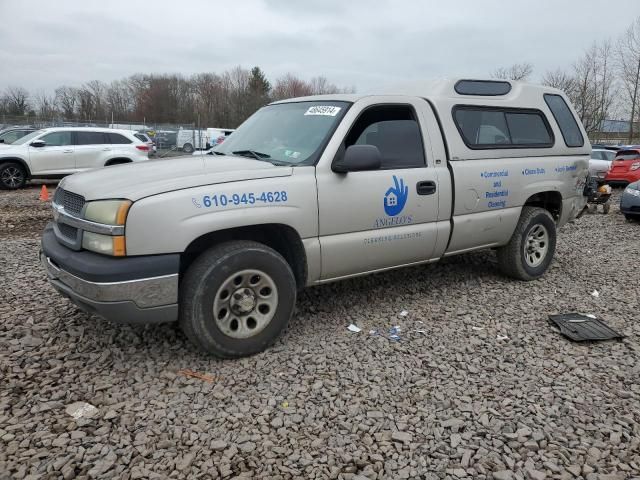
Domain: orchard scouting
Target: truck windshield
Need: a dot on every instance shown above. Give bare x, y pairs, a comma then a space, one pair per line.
286, 133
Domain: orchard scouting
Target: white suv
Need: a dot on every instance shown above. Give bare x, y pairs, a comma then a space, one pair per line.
56, 152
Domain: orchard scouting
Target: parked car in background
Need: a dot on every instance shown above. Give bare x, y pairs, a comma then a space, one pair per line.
10, 135
625, 167
630, 201
56, 152
600, 163
189, 140
143, 137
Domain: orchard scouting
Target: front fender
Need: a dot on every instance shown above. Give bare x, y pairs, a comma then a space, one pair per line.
169, 222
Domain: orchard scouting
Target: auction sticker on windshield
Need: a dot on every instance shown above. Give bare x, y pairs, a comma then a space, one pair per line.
328, 110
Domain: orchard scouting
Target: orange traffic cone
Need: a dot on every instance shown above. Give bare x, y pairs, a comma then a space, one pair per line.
44, 194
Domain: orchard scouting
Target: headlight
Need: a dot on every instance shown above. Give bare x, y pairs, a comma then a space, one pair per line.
631, 191
105, 244
109, 212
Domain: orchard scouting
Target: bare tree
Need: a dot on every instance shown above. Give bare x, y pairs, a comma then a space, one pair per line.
559, 79
66, 99
628, 59
17, 100
593, 92
45, 104
517, 71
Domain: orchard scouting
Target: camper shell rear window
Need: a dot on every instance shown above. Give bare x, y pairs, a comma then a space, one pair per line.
484, 127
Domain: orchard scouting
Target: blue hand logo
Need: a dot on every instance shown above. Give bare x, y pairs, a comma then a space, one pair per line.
396, 197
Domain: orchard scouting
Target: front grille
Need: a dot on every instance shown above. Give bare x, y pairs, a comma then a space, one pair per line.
68, 232
72, 202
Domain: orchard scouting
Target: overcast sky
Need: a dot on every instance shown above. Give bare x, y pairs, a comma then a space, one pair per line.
365, 43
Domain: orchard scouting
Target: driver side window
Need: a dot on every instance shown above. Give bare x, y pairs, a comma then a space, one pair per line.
57, 139
395, 131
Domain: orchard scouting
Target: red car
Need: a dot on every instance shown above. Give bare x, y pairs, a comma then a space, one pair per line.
625, 167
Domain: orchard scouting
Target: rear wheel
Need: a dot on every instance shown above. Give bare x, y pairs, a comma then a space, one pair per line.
187, 148
237, 298
12, 176
528, 254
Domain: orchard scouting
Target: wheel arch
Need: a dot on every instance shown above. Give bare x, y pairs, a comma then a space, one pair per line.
284, 239
18, 160
117, 161
549, 200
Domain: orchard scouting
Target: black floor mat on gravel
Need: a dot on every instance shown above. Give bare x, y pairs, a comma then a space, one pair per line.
580, 328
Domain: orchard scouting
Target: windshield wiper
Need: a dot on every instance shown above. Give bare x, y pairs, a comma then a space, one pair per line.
252, 153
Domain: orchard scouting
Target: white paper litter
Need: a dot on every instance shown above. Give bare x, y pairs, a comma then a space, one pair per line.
502, 337
595, 294
404, 313
477, 328
81, 410
353, 328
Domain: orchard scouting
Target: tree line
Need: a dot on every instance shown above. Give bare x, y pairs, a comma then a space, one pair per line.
210, 99
604, 83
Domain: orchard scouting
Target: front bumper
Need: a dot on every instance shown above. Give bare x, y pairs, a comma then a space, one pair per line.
134, 290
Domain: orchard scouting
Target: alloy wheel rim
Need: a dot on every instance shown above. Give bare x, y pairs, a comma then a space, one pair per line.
245, 303
12, 177
536, 245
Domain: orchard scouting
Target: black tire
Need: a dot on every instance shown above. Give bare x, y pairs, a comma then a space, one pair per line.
12, 176
204, 286
187, 148
630, 218
514, 258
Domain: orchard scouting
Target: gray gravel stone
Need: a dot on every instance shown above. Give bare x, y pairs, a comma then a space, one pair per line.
325, 403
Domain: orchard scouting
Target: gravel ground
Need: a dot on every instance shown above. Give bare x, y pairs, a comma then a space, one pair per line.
452, 398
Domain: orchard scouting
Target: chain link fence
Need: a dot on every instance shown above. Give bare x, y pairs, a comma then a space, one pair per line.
169, 138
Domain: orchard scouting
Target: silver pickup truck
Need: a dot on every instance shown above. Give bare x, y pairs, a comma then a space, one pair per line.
317, 189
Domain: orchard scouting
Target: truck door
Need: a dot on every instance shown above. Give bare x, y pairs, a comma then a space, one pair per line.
371, 220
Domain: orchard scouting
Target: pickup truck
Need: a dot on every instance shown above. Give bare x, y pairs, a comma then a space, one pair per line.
318, 189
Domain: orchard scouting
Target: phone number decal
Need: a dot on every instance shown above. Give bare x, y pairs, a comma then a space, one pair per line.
224, 200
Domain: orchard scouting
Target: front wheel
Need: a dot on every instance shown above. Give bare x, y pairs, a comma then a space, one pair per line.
528, 254
236, 299
12, 176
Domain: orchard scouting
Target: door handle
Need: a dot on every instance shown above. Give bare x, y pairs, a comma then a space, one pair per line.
106, 149
426, 188
67, 151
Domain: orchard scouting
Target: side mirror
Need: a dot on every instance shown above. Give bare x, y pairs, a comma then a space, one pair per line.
38, 143
358, 158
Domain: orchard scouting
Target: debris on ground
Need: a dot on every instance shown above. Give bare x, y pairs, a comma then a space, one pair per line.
200, 376
501, 337
81, 410
404, 313
477, 329
595, 294
354, 328
581, 328
394, 333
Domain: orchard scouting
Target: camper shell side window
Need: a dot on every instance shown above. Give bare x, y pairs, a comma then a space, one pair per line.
487, 127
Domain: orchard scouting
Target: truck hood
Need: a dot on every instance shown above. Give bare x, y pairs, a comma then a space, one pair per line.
134, 181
